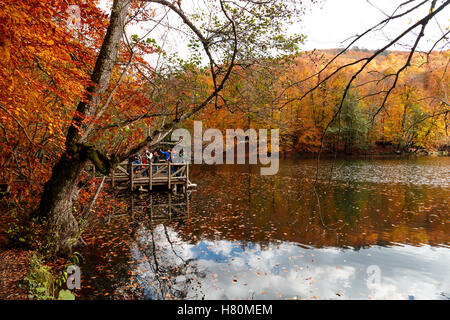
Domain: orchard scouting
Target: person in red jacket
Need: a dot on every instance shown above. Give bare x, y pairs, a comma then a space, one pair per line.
144, 161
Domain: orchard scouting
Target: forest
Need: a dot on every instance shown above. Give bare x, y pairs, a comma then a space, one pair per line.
79, 86
415, 118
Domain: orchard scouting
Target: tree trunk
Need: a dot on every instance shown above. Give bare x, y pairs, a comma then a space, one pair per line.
55, 209
57, 204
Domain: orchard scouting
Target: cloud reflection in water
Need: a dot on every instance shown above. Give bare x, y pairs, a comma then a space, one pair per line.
168, 267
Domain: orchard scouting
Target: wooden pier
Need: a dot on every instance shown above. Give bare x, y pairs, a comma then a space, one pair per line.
147, 176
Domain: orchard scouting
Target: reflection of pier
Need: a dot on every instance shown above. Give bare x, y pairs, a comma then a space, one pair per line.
147, 176
162, 208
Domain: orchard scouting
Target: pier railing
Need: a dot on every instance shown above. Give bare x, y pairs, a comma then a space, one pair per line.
148, 175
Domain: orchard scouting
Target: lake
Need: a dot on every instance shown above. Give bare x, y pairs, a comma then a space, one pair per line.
370, 229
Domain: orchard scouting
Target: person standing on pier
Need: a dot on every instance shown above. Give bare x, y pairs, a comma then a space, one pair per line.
137, 159
174, 158
147, 159
144, 161
166, 155
156, 157
149, 156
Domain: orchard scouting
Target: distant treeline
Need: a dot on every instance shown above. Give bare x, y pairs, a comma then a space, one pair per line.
271, 94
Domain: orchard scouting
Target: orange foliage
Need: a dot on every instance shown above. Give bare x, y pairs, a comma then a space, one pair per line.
267, 96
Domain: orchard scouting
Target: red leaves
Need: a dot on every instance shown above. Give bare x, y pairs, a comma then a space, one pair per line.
13, 268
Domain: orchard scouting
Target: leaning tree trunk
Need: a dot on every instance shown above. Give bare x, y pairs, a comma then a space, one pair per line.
55, 209
56, 205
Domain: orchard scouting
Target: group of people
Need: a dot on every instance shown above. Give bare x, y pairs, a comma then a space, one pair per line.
147, 157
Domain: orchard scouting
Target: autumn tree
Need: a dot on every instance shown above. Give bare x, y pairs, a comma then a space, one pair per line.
411, 35
118, 92
43, 72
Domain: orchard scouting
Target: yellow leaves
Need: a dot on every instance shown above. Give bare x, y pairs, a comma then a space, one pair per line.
4, 50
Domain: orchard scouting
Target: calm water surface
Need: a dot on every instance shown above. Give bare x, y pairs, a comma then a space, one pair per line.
372, 229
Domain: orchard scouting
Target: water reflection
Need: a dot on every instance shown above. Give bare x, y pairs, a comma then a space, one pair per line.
160, 207
224, 269
247, 236
108, 263
239, 204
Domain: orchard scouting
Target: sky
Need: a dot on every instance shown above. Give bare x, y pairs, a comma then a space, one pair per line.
334, 21
329, 23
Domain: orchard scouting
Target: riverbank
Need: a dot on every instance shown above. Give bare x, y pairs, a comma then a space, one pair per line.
24, 275
13, 269
379, 152
13, 266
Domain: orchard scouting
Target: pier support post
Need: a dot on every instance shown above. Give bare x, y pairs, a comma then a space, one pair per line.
131, 177
112, 179
150, 179
169, 174
187, 177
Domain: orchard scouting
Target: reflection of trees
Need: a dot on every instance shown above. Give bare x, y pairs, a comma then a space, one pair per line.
163, 269
360, 206
347, 202
165, 272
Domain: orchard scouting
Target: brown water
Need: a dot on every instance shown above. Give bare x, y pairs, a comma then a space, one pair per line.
241, 235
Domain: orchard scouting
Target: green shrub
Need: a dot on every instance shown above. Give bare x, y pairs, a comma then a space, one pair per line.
39, 280
43, 284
